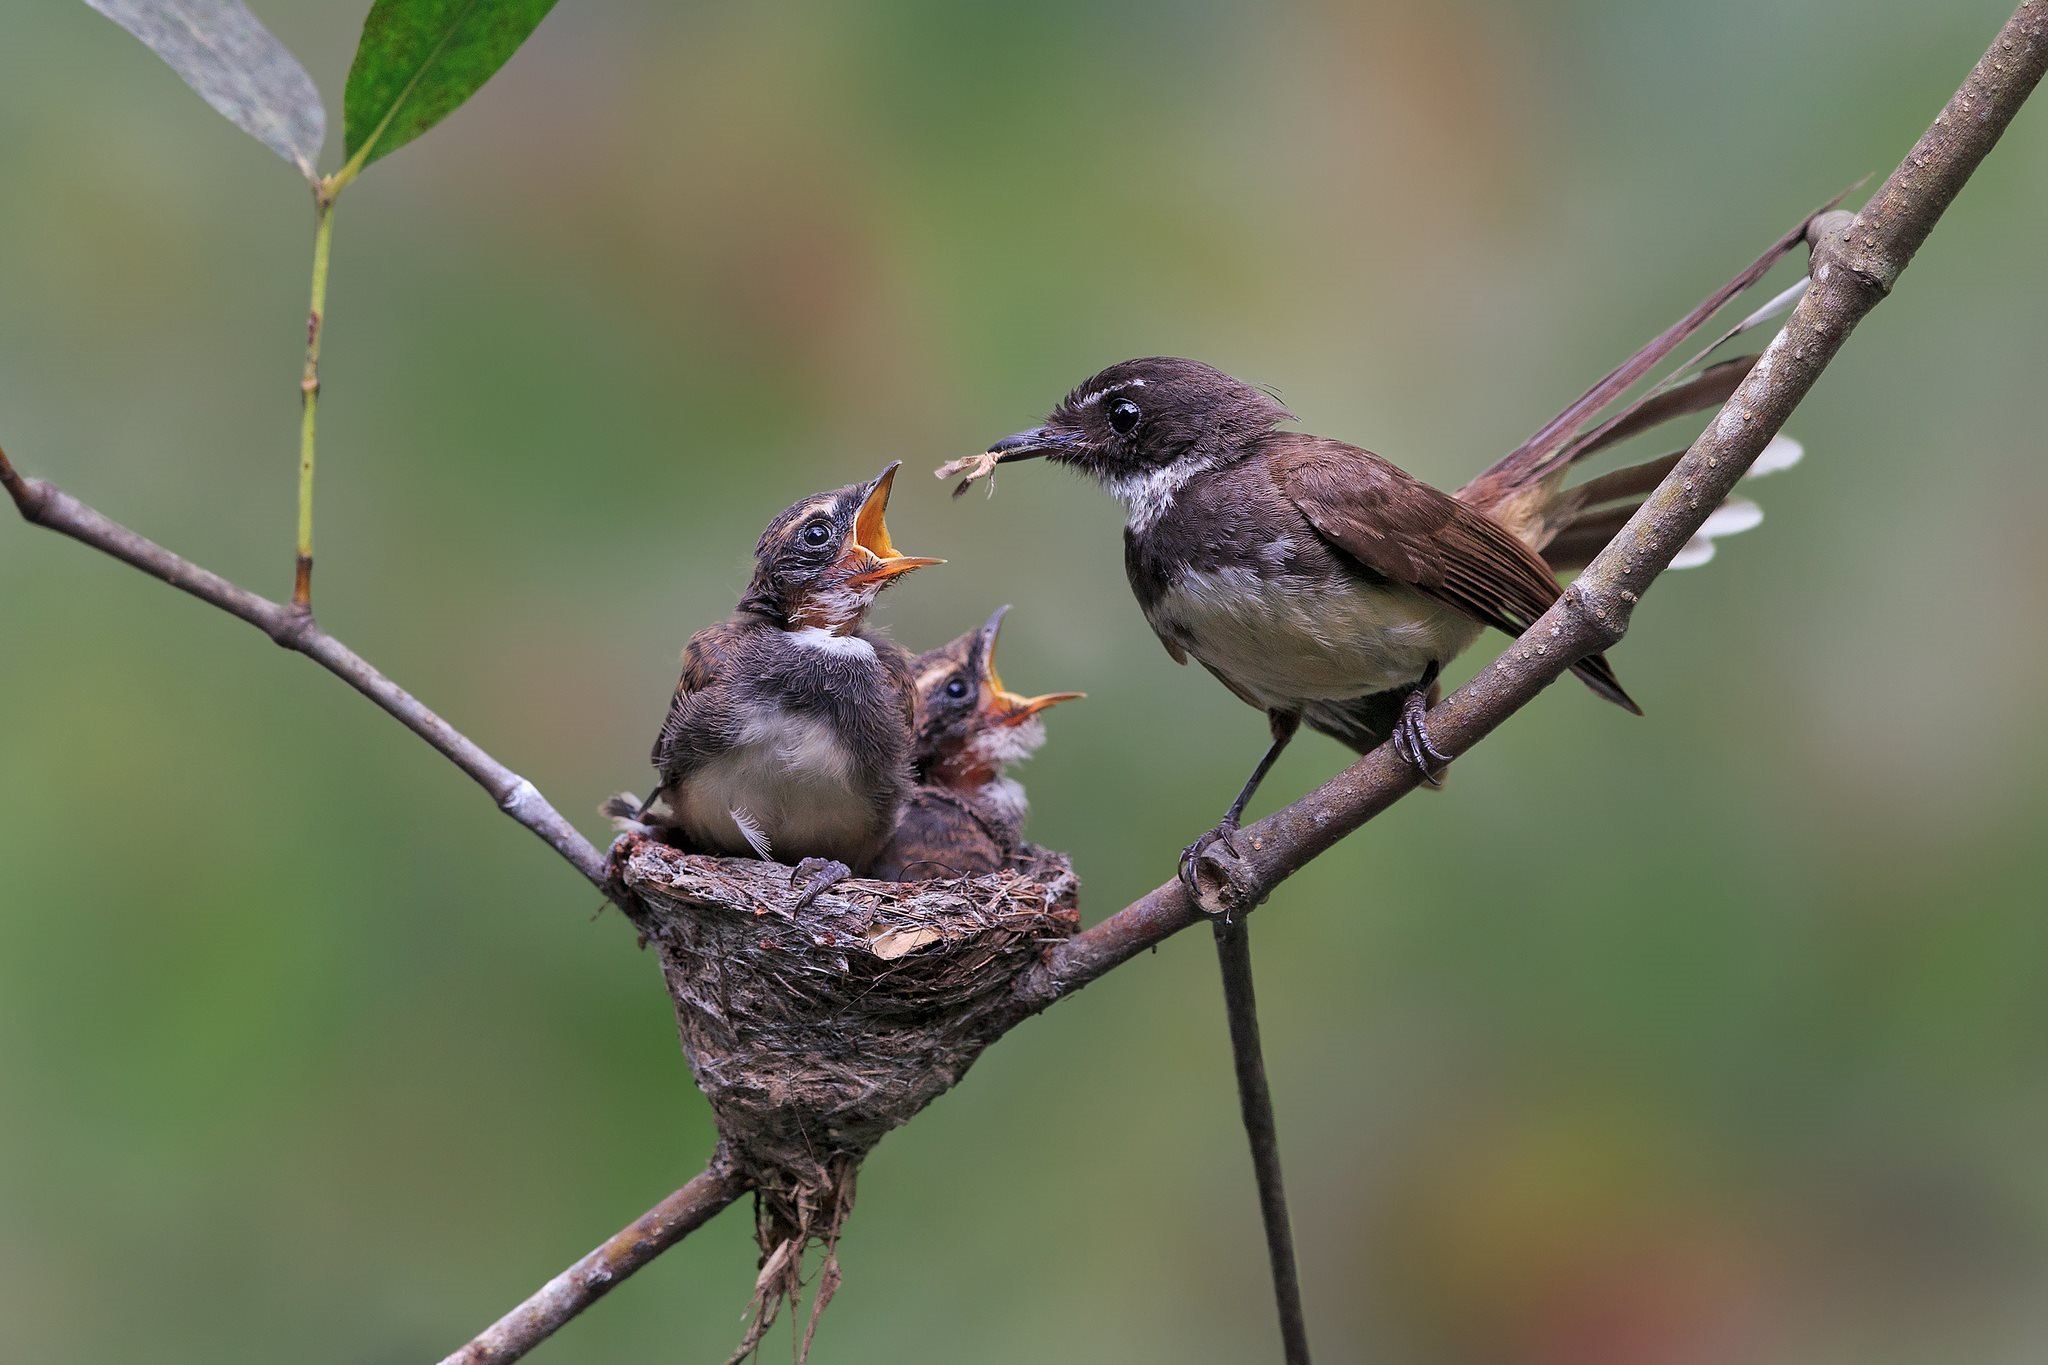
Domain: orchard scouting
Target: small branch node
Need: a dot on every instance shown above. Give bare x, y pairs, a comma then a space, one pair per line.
30, 496
520, 801
1599, 615
1826, 226
294, 628
1840, 259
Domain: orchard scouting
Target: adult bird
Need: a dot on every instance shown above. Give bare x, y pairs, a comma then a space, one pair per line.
1320, 582
1323, 584
1315, 580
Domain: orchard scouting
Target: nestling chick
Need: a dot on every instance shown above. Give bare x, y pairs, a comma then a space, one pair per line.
789, 736
966, 816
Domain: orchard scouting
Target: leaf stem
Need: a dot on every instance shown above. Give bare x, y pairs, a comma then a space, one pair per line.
309, 392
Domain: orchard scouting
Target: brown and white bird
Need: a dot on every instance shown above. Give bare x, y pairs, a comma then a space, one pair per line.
966, 814
789, 735
1320, 582
1314, 579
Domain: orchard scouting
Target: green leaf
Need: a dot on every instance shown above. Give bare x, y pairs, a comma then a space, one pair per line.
219, 49
419, 59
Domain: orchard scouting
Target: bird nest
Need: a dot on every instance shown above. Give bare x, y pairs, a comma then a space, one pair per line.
814, 1031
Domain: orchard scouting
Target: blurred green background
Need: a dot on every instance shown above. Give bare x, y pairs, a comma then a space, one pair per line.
1715, 1035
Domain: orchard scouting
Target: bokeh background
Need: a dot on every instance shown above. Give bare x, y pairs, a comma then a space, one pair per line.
1716, 1035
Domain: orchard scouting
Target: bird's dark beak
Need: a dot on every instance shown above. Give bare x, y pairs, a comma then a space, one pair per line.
876, 560
1027, 445
985, 644
1005, 707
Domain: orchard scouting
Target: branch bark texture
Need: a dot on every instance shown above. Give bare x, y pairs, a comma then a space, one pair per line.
618, 1256
1857, 261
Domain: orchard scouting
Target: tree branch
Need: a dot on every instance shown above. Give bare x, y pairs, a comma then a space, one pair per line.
1856, 263
591, 1278
51, 507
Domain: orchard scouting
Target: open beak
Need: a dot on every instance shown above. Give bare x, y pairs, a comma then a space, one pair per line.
871, 537
1024, 708
1029, 445
1006, 707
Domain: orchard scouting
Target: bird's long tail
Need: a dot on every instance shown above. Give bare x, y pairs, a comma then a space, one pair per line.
1564, 439
1605, 504
1526, 491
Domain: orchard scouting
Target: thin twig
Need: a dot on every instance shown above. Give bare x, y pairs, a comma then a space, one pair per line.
1255, 1098
309, 390
591, 1278
52, 508
1856, 263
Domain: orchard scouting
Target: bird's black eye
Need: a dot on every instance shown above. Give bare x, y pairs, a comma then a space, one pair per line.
956, 688
1123, 416
817, 532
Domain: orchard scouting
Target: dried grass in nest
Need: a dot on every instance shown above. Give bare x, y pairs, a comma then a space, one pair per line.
814, 1032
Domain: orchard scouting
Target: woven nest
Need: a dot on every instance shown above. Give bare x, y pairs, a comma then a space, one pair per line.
814, 1032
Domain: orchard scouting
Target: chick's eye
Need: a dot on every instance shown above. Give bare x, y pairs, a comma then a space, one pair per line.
816, 533
956, 688
1123, 416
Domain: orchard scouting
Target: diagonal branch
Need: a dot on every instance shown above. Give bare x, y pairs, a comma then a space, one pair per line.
1856, 262
51, 507
591, 1278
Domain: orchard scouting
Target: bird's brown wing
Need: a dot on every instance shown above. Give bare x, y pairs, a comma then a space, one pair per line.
1397, 527
699, 703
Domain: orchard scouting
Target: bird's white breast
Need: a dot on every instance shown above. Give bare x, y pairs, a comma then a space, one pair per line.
787, 781
1290, 639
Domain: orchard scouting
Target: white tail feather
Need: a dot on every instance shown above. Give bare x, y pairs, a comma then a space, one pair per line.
1778, 304
1731, 518
1693, 553
1781, 454
1737, 515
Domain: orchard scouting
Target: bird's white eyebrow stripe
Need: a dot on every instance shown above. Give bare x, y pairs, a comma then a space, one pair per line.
1092, 399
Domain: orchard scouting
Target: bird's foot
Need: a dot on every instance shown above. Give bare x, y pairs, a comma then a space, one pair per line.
1191, 857
1210, 871
818, 876
1411, 738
